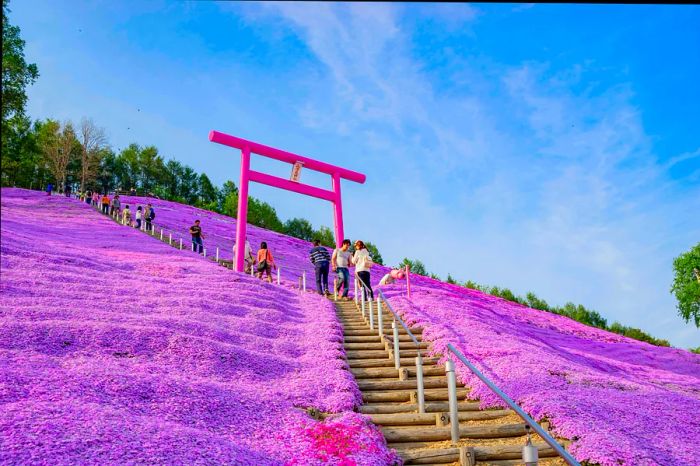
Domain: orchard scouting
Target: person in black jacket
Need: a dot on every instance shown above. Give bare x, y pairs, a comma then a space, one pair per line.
321, 260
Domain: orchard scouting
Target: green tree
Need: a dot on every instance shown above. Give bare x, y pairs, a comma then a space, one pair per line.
17, 74
686, 284
536, 303
151, 170
60, 147
694, 350
416, 266
126, 167
208, 194
326, 236
171, 179
472, 285
299, 228
188, 185
637, 334
374, 253
451, 280
262, 214
228, 199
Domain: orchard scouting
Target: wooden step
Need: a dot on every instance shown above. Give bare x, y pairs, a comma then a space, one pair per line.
378, 345
367, 354
405, 362
482, 453
383, 372
436, 419
440, 382
371, 338
352, 329
388, 408
366, 332
411, 434
409, 395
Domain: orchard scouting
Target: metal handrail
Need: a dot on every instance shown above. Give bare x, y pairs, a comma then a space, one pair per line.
399, 319
526, 417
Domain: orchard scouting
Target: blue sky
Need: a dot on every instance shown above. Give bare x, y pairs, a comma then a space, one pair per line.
551, 148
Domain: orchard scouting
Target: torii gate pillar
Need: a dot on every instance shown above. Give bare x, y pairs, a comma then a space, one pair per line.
247, 175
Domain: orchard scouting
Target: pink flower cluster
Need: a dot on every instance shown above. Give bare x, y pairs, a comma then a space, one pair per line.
116, 348
620, 401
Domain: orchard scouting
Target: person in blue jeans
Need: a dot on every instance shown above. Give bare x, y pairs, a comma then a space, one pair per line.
341, 261
321, 260
196, 232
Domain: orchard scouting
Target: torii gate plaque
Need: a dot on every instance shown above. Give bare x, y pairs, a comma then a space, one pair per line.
247, 147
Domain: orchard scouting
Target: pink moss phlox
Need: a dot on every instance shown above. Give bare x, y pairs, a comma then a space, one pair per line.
620, 401
116, 348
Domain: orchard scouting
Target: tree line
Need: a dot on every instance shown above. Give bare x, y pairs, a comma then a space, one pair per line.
80, 158
576, 312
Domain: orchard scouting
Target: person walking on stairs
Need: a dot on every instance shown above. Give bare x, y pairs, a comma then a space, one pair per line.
321, 260
105, 204
341, 261
363, 263
265, 262
197, 236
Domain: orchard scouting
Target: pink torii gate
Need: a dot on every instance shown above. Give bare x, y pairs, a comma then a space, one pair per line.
247, 147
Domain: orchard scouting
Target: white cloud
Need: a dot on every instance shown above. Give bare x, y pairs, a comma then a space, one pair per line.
545, 187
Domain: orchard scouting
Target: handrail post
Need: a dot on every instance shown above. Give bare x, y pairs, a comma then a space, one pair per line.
335, 289
304, 280
180, 244
380, 323
278, 275
161, 234
397, 351
170, 238
452, 397
419, 383
217, 254
362, 298
204, 252
408, 281
561, 451
371, 314
355, 294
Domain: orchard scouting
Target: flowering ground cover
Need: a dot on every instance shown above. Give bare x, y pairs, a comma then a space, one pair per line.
117, 349
619, 400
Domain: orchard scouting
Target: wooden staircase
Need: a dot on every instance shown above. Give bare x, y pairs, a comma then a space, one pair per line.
488, 437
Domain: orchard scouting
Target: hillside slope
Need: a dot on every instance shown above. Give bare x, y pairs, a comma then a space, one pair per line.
291, 254
619, 400
115, 348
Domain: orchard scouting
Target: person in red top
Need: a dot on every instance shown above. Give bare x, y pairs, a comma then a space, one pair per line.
265, 262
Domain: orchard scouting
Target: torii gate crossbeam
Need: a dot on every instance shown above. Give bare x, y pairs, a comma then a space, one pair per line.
247, 175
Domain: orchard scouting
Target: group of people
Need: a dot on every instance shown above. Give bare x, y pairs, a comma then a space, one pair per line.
264, 263
340, 262
113, 207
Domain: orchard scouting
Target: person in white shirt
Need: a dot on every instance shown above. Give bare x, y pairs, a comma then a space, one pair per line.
248, 256
341, 262
139, 216
363, 263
